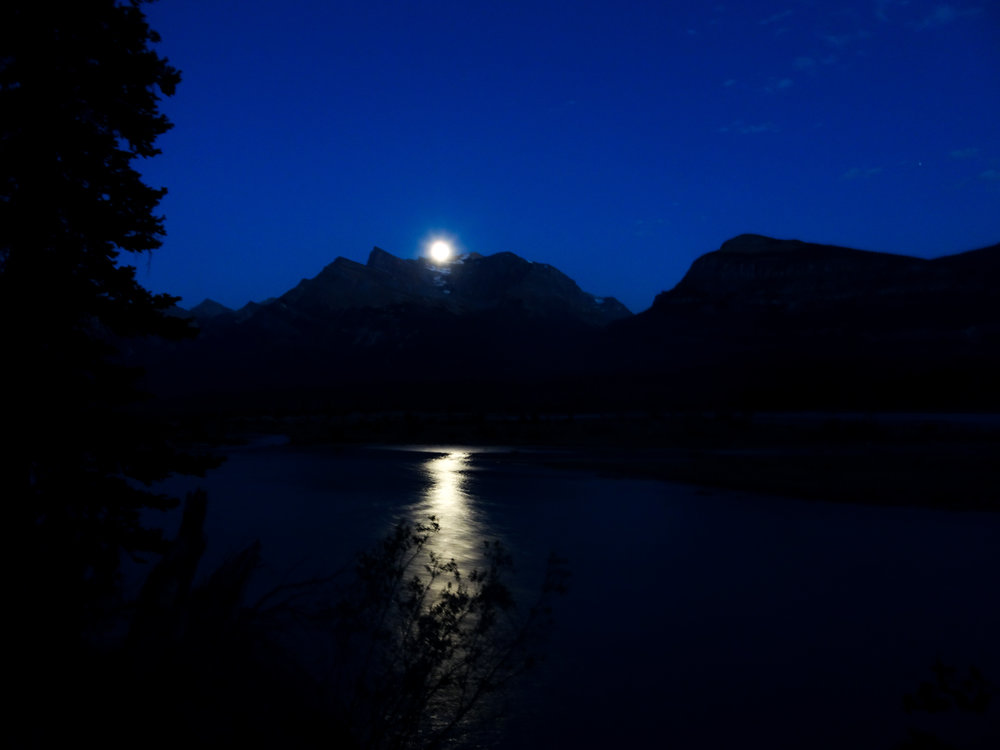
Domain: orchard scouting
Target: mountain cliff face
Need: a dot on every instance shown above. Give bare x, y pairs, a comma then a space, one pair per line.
751, 270
758, 323
797, 284
208, 309
785, 322
472, 283
496, 317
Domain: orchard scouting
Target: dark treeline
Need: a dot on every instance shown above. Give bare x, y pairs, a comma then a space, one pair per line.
184, 659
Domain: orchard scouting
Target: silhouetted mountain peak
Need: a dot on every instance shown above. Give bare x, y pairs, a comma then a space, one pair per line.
209, 308
753, 269
470, 283
380, 260
758, 321
756, 243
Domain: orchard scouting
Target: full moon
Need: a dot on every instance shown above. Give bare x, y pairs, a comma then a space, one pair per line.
440, 251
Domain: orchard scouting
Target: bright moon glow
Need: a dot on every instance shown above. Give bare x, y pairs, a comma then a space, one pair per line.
440, 251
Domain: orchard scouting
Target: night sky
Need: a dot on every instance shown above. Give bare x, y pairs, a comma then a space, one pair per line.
616, 141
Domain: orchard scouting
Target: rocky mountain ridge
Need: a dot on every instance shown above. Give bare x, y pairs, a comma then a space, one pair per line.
759, 322
751, 270
472, 283
786, 323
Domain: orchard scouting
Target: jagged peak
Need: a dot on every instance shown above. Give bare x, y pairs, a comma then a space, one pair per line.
378, 254
382, 260
341, 262
209, 308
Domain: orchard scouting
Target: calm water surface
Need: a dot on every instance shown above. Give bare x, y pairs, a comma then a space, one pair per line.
694, 619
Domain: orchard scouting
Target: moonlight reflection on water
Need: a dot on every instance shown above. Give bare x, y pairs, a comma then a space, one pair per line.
713, 617
447, 498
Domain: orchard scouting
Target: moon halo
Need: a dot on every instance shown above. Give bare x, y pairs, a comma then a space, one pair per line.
440, 251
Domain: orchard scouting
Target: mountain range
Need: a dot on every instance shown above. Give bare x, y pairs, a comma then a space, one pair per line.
758, 323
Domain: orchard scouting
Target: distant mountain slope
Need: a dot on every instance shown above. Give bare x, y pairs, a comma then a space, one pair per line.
751, 269
496, 317
799, 285
806, 322
473, 310
472, 283
758, 323
208, 309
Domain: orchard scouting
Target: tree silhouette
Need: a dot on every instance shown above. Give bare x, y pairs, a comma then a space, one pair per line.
80, 88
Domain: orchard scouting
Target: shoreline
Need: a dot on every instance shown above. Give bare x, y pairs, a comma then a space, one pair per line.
909, 460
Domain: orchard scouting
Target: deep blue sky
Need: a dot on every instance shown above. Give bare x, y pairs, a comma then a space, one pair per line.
617, 141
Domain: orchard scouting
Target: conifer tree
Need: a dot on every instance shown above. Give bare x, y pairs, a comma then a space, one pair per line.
80, 88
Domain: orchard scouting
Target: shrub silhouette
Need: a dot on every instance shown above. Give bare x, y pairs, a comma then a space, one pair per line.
402, 650
422, 648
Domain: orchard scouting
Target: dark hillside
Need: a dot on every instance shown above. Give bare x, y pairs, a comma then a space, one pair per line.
760, 323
